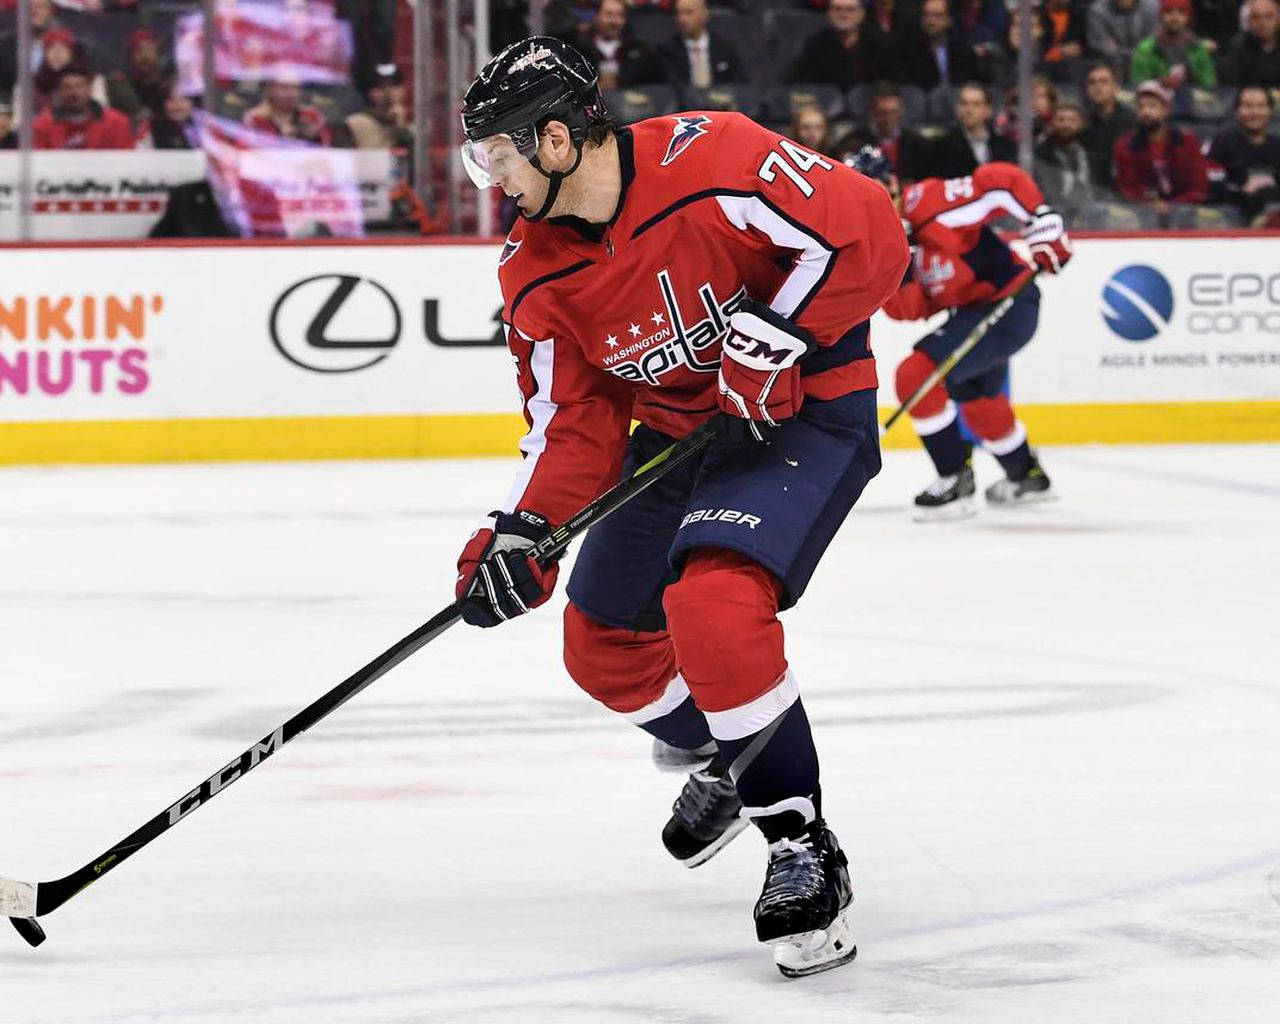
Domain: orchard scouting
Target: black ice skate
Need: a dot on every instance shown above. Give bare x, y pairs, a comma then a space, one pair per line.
704, 817
1032, 487
802, 911
948, 497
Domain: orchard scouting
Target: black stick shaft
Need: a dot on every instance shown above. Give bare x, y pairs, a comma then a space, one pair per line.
51, 895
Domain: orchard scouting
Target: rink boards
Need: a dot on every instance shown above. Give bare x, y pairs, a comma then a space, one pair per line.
169, 351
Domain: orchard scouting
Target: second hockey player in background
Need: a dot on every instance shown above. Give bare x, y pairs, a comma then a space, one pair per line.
960, 264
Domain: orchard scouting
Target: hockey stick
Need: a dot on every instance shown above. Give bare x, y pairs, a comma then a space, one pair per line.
23, 902
963, 349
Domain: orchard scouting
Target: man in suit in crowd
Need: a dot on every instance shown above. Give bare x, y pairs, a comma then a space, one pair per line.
935, 54
620, 59
697, 56
973, 141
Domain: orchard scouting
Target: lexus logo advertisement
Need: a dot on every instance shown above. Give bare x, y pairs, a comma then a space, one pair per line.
341, 323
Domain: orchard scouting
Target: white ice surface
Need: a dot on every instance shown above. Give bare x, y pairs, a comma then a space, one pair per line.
1050, 742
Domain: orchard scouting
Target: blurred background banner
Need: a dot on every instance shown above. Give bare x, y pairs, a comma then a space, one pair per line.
257, 42
267, 186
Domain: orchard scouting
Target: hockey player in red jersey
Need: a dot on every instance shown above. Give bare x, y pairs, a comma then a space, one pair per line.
960, 264
683, 269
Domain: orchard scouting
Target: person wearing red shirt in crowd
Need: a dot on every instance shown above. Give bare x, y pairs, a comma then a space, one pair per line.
1158, 163
75, 121
283, 113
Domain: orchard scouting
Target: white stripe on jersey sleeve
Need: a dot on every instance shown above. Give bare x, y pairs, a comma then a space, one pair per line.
982, 208
748, 211
541, 410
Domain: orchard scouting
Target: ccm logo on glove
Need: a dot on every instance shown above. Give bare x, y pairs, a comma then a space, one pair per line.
759, 369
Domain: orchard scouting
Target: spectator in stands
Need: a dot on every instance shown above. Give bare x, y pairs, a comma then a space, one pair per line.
74, 120
934, 54
1253, 56
809, 127
59, 49
973, 141
697, 56
174, 126
283, 113
1158, 163
905, 149
1000, 59
141, 88
1172, 54
1244, 159
845, 52
891, 17
1217, 21
1044, 101
1117, 26
981, 21
1108, 119
1064, 23
620, 59
1062, 167
8, 133
383, 123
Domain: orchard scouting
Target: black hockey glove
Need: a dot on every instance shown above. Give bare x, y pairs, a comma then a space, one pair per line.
497, 580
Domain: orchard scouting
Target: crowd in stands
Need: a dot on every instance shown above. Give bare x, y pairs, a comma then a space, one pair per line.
1164, 107
91, 94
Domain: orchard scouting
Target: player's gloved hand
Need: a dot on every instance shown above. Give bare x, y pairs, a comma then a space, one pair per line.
497, 580
760, 371
1047, 237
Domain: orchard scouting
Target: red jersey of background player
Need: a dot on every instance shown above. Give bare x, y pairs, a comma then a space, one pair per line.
629, 325
958, 260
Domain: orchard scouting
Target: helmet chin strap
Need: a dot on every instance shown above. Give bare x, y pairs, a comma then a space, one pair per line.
556, 179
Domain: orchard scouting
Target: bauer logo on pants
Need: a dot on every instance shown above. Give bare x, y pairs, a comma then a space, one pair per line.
335, 323
722, 515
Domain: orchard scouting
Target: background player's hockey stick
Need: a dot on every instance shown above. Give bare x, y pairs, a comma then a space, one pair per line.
23, 902
963, 349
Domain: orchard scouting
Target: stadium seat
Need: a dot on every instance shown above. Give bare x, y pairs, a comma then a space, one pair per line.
785, 31
333, 101
743, 98
781, 101
939, 105
1203, 218
637, 103
1116, 217
914, 106
651, 25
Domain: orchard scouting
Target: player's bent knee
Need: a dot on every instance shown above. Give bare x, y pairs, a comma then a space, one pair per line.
913, 372
990, 418
622, 669
723, 618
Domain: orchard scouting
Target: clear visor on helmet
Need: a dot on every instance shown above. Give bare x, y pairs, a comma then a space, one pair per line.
490, 160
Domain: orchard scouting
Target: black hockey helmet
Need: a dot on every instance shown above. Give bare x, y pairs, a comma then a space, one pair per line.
871, 161
527, 84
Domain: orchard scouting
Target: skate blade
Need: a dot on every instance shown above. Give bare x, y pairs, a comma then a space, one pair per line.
1034, 498
798, 956
961, 508
705, 854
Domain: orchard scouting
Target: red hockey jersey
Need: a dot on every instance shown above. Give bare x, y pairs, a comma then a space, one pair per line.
958, 260
713, 208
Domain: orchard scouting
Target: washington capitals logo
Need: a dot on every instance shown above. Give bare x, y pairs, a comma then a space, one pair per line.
509, 250
687, 129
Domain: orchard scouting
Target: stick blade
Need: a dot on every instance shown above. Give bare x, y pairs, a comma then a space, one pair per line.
18, 904
17, 899
29, 929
